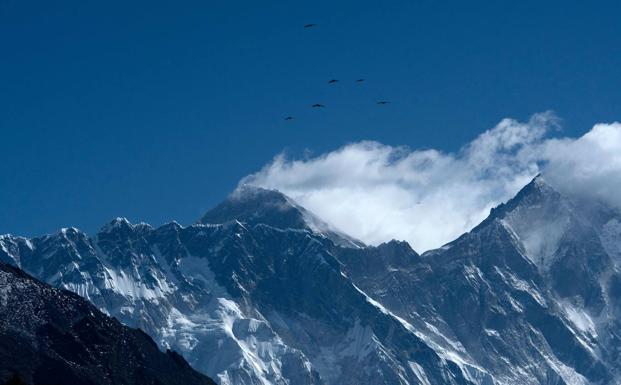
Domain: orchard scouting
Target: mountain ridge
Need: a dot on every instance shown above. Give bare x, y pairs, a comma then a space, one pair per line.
289, 301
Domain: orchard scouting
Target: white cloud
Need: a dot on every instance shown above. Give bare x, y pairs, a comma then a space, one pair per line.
377, 192
589, 166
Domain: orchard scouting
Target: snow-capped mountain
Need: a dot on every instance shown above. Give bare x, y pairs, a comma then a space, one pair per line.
261, 291
53, 336
262, 301
531, 294
252, 206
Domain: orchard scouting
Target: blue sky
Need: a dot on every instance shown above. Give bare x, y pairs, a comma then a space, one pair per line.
155, 110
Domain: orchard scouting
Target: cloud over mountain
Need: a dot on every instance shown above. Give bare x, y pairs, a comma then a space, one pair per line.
377, 192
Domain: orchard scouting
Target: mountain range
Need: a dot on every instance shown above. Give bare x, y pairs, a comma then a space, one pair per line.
261, 291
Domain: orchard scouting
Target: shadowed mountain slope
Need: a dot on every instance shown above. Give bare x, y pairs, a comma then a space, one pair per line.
53, 336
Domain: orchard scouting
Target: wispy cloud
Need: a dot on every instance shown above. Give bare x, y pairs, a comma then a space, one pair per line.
428, 197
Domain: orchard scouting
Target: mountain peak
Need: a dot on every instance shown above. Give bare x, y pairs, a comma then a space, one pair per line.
538, 184
116, 223
537, 190
123, 225
540, 217
253, 205
257, 205
249, 191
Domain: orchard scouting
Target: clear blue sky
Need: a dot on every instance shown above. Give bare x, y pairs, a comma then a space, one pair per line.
154, 110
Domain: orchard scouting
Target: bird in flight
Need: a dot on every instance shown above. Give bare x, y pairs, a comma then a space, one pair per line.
310, 25
289, 118
359, 80
333, 81
318, 105
383, 102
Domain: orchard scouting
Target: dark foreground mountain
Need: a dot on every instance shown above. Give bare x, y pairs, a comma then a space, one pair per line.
263, 292
52, 336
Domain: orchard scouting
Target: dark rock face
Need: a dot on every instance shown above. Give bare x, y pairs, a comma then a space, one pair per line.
262, 291
53, 336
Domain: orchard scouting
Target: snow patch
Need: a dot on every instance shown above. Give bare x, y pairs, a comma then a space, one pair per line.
124, 284
419, 372
580, 318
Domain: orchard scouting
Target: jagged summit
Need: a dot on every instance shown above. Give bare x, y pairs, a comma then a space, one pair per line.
255, 205
533, 193
122, 224
116, 223
539, 216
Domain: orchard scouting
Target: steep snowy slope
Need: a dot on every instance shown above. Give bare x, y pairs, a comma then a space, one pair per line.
146, 278
49, 336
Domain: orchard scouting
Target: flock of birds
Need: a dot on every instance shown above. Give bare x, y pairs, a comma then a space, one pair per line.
332, 81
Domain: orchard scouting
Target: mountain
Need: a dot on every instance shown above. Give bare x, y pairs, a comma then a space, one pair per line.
262, 301
255, 205
261, 291
531, 294
53, 336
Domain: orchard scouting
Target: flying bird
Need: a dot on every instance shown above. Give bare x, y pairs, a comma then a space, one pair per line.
318, 105
289, 118
359, 80
333, 81
383, 102
310, 25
